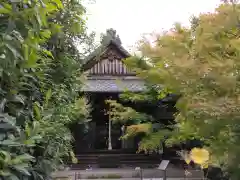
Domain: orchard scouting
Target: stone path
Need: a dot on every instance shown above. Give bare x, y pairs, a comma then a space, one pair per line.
129, 174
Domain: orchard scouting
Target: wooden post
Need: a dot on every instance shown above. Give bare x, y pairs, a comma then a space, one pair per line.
109, 135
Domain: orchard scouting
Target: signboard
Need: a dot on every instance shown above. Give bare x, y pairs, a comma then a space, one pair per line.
163, 165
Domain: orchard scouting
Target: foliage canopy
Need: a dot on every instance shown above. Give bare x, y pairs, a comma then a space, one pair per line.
201, 64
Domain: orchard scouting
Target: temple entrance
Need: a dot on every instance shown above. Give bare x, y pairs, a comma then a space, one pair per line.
95, 134
101, 120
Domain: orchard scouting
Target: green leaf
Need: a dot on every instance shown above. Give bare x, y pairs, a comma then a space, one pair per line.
18, 36
56, 28
50, 7
5, 8
29, 142
48, 53
14, 51
25, 50
37, 111
9, 143
2, 104
23, 158
5, 172
22, 168
18, 99
59, 3
5, 156
36, 137
46, 34
35, 129
38, 17
31, 60
48, 96
4, 11
27, 130
43, 16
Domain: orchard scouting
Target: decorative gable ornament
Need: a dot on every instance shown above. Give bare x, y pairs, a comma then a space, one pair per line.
111, 35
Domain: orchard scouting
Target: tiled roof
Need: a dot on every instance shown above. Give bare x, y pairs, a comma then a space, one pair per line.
113, 85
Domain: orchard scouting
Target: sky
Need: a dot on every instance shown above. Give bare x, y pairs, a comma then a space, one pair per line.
134, 18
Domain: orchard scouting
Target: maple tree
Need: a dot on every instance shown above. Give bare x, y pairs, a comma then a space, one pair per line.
200, 64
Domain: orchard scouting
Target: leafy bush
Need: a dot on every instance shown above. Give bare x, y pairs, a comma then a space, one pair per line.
40, 78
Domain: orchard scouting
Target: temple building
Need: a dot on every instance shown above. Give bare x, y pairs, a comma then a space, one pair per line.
107, 77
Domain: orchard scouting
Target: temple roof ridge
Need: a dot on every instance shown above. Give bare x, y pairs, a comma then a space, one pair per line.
110, 37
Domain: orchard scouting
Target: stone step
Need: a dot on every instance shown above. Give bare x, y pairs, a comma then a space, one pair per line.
119, 155
99, 160
116, 160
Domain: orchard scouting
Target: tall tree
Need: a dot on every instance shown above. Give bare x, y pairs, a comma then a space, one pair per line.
202, 65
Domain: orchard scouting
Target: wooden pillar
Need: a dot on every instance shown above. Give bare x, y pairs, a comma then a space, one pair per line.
109, 134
